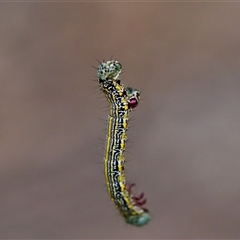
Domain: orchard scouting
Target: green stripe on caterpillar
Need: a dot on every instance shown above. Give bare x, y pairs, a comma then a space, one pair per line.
121, 100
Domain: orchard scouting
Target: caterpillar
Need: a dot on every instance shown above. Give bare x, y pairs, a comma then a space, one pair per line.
121, 100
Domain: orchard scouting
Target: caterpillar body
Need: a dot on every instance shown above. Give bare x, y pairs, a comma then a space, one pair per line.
121, 100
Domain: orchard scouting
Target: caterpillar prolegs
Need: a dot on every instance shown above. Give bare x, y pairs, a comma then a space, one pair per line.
122, 100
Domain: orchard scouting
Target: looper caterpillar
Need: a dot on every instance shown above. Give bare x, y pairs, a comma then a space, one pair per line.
121, 100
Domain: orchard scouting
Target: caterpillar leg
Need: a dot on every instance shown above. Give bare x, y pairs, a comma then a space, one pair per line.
139, 200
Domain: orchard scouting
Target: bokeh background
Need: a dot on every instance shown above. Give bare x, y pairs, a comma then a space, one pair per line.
184, 136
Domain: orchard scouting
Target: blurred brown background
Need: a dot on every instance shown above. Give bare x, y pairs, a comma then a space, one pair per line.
184, 149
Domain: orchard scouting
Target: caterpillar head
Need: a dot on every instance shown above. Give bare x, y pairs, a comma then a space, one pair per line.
109, 70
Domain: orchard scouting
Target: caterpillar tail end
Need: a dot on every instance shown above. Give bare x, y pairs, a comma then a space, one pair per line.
139, 220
